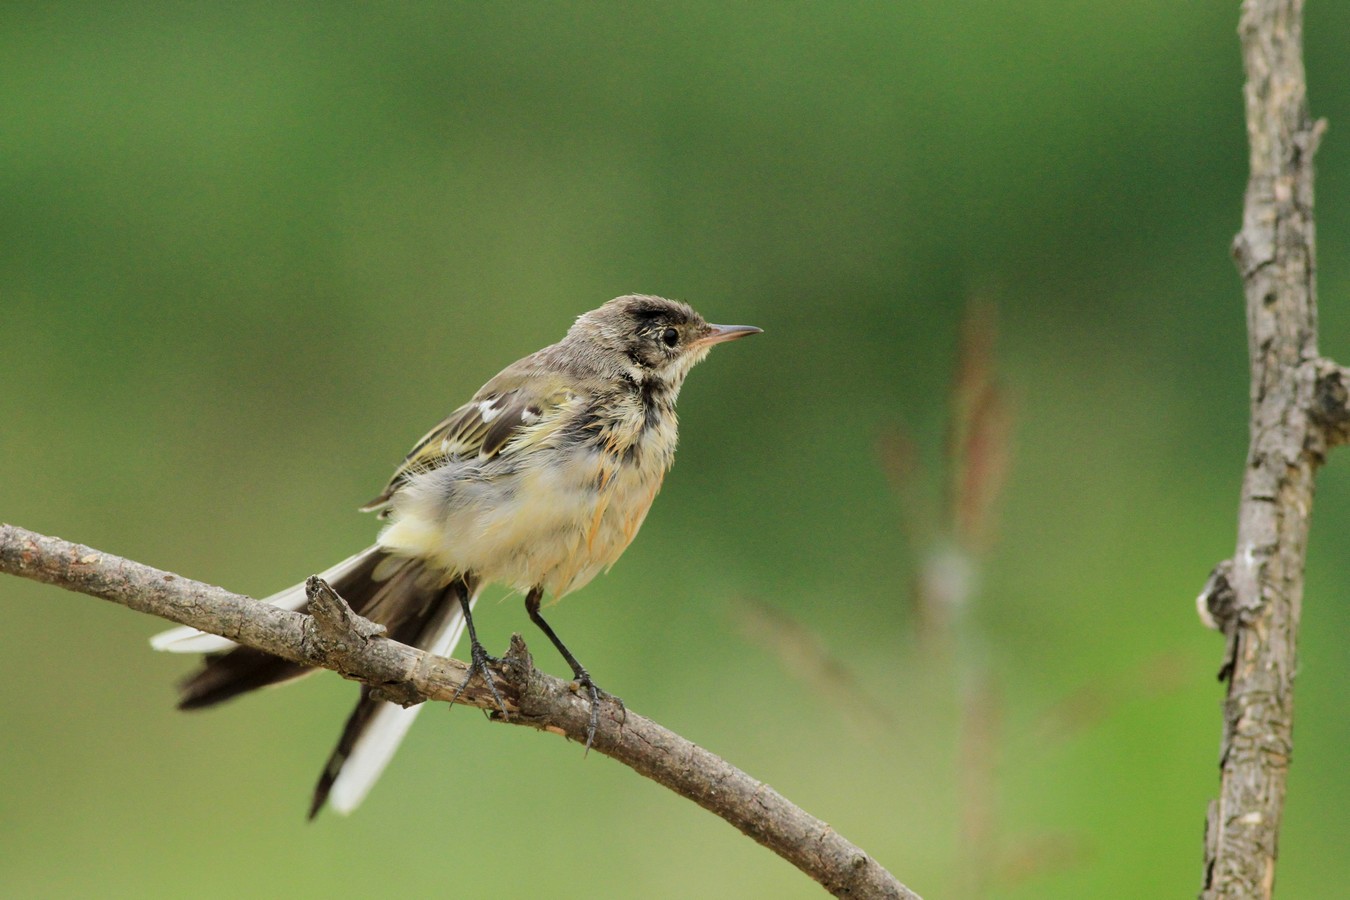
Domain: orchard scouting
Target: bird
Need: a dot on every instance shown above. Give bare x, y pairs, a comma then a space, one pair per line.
538, 483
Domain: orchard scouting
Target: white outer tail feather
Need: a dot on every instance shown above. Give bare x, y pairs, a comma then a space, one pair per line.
186, 639
389, 723
387, 727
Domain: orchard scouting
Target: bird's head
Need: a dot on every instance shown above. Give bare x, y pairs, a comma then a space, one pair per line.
652, 337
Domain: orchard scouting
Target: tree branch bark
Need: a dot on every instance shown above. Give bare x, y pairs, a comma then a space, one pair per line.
1298, 411
336, 638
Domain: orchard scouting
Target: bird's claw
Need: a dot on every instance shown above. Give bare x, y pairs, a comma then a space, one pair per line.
594, 693
479, 660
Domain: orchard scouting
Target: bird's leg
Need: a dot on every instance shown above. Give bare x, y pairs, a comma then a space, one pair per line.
583, 678
478, 657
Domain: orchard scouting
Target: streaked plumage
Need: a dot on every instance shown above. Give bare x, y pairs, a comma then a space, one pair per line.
539, 482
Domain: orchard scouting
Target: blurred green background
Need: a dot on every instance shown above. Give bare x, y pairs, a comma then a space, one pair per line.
248, 254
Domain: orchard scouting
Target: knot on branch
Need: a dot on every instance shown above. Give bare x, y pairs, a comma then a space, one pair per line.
518, 661
340, 635
1217, 606
1331, 402
514, 678
1217, 601
524, 687
335, 623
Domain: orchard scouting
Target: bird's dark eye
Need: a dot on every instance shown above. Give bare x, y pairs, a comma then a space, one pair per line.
670, 337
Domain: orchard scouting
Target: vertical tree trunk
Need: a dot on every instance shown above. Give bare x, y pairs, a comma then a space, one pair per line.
1275, 255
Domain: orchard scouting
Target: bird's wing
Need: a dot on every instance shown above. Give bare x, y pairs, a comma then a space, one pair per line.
512, 405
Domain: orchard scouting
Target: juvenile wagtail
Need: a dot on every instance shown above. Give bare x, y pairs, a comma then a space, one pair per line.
539, 483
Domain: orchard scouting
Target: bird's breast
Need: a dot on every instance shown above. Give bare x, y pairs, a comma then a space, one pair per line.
555, 516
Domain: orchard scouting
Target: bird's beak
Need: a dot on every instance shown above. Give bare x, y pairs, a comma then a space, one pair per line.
719, 333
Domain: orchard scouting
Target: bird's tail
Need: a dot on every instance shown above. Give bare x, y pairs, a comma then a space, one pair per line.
415, 606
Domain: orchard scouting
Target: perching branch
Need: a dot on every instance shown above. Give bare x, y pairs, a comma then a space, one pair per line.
336, 638
1298, 411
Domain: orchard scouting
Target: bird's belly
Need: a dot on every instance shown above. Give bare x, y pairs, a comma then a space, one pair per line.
558, 523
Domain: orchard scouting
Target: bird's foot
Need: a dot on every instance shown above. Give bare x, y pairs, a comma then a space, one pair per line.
582, 680
479, 660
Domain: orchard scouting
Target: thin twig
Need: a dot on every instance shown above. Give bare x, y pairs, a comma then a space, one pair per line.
336, 638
